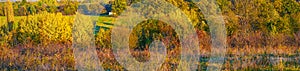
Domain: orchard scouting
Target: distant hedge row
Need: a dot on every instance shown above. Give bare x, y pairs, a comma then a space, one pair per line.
24, 8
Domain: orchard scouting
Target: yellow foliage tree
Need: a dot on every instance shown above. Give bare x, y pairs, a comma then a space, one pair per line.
9, 14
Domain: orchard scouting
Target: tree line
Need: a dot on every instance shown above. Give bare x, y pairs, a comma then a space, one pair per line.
255, 22
260, 18
24, 8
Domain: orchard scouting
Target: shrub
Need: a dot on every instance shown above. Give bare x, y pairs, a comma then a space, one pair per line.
46, 27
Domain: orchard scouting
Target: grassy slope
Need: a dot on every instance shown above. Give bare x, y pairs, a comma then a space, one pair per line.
105, 21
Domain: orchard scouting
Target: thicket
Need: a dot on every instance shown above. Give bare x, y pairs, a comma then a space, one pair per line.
42, 28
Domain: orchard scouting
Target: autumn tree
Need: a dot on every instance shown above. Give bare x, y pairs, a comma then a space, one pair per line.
9, 15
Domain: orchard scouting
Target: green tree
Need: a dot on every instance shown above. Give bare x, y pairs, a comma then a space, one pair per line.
32, 10
70, 8
118, 6
49, 2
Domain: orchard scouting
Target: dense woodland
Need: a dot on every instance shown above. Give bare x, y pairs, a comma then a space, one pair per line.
38, 35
